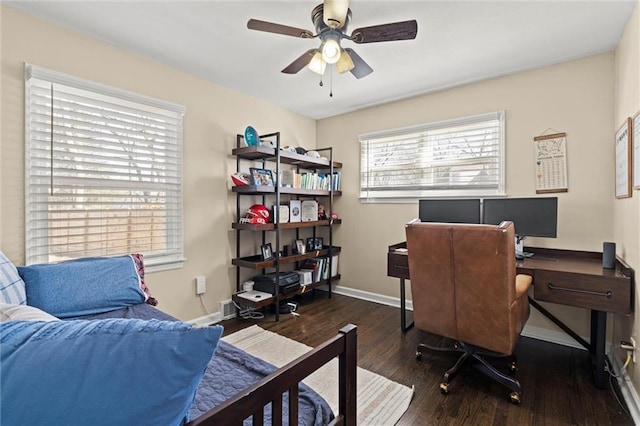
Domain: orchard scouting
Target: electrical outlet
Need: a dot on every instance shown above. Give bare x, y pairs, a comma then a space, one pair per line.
630, 346
201, 285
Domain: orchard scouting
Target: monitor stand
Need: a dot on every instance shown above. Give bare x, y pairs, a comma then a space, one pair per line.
520, 253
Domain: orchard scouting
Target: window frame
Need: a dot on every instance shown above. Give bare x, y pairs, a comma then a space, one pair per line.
411, 195
172, 256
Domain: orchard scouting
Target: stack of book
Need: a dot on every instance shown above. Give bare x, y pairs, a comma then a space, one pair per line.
319, 267
321, 181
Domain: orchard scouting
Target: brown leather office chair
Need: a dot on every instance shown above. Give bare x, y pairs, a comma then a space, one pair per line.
464, 287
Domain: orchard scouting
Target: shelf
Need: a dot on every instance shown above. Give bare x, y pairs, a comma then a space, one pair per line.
271, 154
268, 301
264, 189
266, 152
256, 262
287, 225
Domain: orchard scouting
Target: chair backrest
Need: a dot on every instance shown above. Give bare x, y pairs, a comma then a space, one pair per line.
463, 282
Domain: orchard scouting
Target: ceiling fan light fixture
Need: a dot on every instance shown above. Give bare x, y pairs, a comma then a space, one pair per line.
335, 13
345, 63
331, 51
317, 64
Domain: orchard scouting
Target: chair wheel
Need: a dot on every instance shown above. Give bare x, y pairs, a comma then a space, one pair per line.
513, 367
418, 355
444, 388
514, 397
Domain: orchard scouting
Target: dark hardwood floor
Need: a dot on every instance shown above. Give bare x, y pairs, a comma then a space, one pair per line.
557, 388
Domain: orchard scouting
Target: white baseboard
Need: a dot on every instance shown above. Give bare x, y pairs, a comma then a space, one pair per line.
371, 297
207, 319
628, 391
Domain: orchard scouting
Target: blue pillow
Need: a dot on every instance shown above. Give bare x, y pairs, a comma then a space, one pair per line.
83, 286
12, 289
101, 372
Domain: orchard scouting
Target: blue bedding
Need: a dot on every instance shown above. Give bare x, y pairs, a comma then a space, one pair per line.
230, 371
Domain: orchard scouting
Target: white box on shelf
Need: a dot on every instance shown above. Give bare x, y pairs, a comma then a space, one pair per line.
309, 211
294, 210
306, 277
334, 265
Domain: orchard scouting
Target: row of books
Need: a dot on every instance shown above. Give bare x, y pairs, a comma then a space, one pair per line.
319, 268
321, 181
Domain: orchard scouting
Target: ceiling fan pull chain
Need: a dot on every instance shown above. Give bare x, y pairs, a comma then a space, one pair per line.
331, 82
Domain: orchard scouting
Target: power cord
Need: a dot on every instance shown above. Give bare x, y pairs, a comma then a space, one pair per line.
203, 305
247, 312
609, 369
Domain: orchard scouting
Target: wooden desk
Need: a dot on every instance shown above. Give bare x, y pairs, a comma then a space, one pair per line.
566, 277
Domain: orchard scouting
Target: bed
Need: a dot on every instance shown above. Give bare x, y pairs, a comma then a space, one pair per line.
233, 388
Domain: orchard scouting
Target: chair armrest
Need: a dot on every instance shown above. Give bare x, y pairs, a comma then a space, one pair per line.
523, 282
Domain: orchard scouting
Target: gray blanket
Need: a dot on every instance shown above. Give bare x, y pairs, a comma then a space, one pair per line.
230, 371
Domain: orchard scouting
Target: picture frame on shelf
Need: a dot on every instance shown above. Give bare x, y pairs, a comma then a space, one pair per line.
294, 210
314, 244
623, 160
309, 211
261, 177
267, 251
300, 247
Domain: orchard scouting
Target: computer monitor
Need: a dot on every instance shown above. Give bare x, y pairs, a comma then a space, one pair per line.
531, 217
450, 211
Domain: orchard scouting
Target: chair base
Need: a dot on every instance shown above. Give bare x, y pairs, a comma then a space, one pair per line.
474, 356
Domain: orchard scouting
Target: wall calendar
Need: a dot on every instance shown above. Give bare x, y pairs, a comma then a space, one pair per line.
551, 163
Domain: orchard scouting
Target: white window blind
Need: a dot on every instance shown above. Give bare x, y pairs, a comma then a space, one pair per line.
103, 172
460, 157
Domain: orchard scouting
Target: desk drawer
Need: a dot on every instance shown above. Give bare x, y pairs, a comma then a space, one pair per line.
398, 265
592, 292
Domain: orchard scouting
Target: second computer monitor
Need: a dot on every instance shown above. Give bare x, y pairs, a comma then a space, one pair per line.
450, 211
531, 217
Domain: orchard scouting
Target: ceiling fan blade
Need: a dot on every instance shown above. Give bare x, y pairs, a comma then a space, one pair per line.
335, 13
361, 68
270, 27
405, 30
302, 61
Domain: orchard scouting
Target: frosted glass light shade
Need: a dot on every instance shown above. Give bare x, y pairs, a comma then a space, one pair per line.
345, 63
317, 64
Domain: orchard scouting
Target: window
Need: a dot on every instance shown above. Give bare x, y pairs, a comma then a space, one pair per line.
103, 172
461, 157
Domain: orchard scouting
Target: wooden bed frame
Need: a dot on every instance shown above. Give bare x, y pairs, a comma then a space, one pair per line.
251, 401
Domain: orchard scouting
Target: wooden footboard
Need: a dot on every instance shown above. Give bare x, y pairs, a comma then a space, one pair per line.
251, 401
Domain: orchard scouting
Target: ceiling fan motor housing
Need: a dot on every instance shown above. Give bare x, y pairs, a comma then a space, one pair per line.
317, 18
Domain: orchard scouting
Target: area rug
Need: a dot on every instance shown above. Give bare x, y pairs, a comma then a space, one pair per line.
380, 401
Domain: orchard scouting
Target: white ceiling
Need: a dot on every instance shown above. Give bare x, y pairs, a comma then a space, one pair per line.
458, 42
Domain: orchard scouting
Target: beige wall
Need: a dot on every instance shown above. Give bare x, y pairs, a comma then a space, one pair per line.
626, 212
214, 116
574, 97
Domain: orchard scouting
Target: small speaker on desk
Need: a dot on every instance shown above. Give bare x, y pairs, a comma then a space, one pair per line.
609, 255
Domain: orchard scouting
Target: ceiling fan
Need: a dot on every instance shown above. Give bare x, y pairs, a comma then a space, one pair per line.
331, 19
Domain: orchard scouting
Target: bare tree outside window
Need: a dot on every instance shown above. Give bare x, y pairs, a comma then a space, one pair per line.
452, 157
